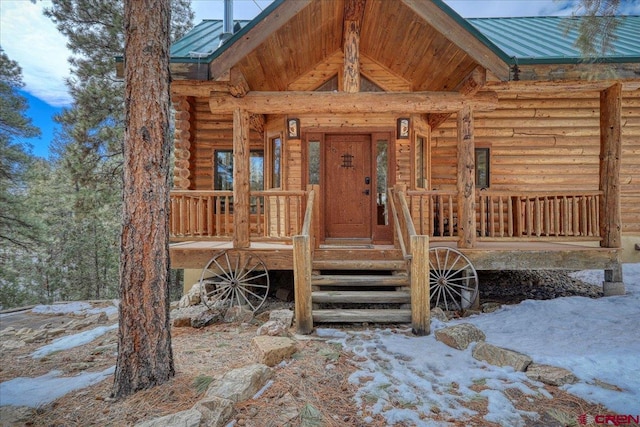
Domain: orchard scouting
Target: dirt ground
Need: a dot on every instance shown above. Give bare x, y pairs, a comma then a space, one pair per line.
202, 353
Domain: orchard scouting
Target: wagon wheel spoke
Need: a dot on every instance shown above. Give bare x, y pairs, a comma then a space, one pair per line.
453, 280
235, 279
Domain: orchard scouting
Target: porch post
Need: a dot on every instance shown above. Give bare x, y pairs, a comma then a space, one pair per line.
353, 10
241, 185
466, 180
420, 292
610, 159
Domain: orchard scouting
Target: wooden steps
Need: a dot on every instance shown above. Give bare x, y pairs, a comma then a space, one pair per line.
358, 290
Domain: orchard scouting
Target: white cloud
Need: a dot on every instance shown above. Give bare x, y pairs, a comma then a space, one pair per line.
31, 39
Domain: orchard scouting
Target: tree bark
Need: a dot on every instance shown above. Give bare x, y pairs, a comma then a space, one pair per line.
145, 358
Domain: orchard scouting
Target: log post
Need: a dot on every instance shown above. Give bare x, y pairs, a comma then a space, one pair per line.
610, 160
353, 11
466, 180
241, 187
420, 293
302, 283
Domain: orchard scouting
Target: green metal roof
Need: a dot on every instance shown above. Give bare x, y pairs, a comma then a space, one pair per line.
546, 40
528, 40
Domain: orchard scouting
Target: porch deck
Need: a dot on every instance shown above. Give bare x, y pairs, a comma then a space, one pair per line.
506, 255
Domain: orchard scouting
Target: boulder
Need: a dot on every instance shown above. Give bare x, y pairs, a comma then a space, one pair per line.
501, 356
188, 418
216, 411
283, 316
551, 375
460, 336
238, 314
206, 318
240, 384
273, 328
438, 313
192, 297
273, 350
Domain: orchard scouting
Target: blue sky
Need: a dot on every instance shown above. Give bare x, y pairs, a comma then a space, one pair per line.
32, 40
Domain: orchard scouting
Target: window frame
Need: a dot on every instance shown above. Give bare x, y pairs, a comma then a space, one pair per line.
486, 165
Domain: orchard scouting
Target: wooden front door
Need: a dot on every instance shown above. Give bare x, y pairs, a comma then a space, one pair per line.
349, 186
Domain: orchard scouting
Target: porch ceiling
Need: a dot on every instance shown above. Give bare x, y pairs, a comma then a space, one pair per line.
392, 35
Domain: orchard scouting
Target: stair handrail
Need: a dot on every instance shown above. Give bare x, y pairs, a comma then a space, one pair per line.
407, 222
302, 259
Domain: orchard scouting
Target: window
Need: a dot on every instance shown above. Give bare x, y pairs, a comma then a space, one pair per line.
276, 162
482, 167
421, 162
313, 161
382, 166
223, 170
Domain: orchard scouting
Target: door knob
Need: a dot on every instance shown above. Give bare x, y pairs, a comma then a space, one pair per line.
366, 192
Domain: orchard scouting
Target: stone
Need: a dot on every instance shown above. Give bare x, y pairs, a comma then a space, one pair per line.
273, 350
181, 317
311, 417
501, 356
460, 336
438, 313
283, 316
11, 344
287, 411
188, 418
15, 415
206, 318
490, 307
216, 411
272, 328
192, 297
551, 375
55, 332
238, 314
240, 384
107, 348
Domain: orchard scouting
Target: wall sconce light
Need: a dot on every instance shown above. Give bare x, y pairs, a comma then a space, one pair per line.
402, 131
293, 128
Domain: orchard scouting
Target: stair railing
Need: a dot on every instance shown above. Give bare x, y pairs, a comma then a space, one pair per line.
416, 254
302, 260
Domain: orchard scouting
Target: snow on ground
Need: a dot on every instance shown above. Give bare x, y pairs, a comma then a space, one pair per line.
71, 341
35, 392
77, 308
402, 376
593, 338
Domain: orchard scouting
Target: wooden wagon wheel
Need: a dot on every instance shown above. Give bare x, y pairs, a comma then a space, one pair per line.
453, 280
238, 278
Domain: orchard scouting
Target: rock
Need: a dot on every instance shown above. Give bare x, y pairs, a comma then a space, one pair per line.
15, 415
238, 314
490, 307
501, 356
188, 418
287, 411
216, 411
192, 297
438, 313
181, 317
460, 336
107, 348
283, 316
11, 344
206, 318
54, 332
311, 417
273, 328
88, 321
551, 375
240, 384
273, 350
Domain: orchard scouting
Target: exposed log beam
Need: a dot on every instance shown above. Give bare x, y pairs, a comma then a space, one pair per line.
257, 122
610, 160
460, 36
238, 85
241, 185
255, 36
344, 103
466, 180
469, 87
546, 87
353, 12
197, 88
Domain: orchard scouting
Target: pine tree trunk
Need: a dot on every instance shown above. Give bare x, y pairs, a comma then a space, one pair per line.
145, 358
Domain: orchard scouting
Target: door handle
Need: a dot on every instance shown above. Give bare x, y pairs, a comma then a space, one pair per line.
366, 192
367, 180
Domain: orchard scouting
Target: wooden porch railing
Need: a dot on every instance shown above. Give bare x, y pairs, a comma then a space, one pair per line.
502, 215
538, 216
417, 254
208, 215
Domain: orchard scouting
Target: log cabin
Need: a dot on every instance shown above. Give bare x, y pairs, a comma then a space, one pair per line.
384, 151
